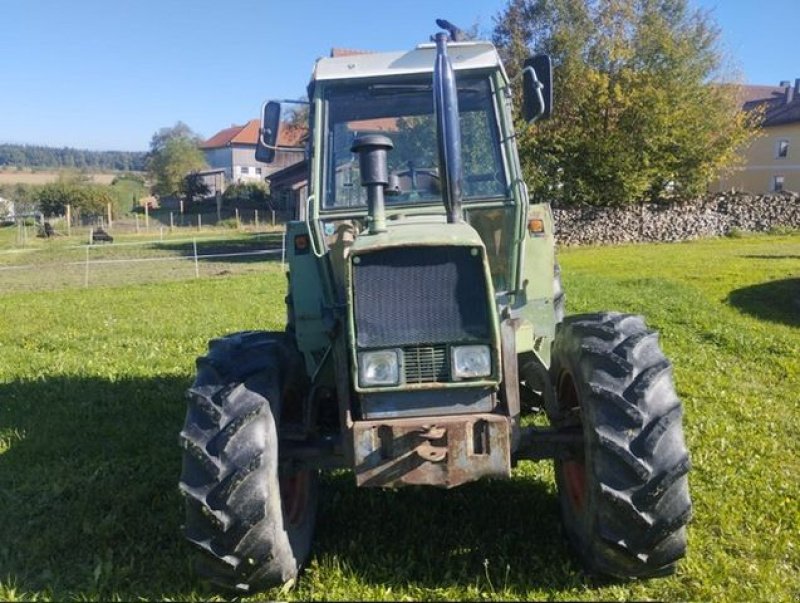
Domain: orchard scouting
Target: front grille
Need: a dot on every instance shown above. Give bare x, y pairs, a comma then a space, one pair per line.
426, 364
420, 296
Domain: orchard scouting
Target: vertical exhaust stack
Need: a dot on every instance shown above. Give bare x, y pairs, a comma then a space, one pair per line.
448, 131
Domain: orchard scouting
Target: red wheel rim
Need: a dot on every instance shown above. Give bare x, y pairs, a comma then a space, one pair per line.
294, 496
573, 470
575, 480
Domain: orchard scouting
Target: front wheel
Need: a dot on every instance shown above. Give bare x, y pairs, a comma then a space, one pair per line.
624, 497
251, 523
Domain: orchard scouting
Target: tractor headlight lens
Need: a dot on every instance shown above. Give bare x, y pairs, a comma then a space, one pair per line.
471, 361
381, 367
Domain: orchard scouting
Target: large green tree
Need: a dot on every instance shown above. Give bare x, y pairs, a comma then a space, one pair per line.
171, 159
640, 109
83, 198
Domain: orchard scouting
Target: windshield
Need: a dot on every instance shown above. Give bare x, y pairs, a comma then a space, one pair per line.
403, 111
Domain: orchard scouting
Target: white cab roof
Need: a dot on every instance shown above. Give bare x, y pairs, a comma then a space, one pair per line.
463, 55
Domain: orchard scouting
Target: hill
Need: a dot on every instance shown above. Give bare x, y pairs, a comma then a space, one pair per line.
35, 156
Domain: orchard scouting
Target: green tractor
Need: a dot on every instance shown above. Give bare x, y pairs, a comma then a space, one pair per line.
425, 318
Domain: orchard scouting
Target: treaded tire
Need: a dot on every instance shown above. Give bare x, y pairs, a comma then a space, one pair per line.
252, 528
625, 500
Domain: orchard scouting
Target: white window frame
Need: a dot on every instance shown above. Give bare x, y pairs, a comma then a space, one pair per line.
782, 144
778, 183
244, 170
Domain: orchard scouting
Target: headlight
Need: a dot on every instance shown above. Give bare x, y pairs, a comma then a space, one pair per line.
378, 368
471, 361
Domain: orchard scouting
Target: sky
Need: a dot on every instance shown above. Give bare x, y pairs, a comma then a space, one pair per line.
107, 74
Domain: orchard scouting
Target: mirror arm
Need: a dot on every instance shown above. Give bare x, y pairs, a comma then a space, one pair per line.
279, 148
539, 86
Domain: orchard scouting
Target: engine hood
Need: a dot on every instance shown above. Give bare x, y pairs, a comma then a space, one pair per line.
418, 231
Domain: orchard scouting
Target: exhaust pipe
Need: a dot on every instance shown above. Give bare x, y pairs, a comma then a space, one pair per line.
448, 132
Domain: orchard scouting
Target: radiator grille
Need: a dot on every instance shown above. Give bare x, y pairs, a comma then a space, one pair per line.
426, 364
420, 296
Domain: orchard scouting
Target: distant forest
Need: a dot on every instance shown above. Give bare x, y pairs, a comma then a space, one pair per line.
32, 156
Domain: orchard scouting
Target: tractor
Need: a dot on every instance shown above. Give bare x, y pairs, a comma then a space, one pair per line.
425, 319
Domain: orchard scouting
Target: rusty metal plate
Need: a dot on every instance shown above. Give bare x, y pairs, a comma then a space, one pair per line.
434, 451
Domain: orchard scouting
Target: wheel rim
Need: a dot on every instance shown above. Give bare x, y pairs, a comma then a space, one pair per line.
294, 496
294, 487
573, 470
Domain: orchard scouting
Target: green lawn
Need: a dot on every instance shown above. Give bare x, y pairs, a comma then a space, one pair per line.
91, 400
38, 264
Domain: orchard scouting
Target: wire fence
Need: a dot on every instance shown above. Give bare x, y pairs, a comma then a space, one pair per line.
66, 262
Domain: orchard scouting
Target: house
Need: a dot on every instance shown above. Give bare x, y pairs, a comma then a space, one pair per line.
231, 155
6, 211
289, 189
772, 161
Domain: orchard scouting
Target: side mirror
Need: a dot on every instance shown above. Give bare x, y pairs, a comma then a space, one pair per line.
268, 134
284, 127
537, 88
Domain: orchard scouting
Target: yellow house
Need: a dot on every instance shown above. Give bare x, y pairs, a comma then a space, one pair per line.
771, 161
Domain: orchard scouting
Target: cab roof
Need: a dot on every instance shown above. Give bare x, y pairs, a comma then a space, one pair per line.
463, 55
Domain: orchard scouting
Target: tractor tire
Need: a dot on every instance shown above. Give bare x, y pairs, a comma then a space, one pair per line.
624, 497
252, 527
559, 297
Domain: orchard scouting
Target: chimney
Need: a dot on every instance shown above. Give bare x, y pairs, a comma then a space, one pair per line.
797, 88
789, 94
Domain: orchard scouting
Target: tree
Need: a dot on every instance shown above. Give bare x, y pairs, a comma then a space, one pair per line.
179, 130
195, 187
640, 112
170, 164
248, 192
39, 156
88, 199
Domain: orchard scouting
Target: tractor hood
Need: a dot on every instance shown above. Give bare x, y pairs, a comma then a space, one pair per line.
418, 231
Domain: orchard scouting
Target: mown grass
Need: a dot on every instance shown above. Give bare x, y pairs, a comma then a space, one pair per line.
91, 386
61, 262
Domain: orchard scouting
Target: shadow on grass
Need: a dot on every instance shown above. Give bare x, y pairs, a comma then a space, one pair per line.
253, 250
88, 494
776, 301
773, 257
498, 535
90, 507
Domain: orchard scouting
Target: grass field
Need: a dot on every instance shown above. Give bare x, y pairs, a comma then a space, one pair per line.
61, 262
91, 400
45, 177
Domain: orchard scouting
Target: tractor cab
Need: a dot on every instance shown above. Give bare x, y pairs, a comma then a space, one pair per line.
392, 95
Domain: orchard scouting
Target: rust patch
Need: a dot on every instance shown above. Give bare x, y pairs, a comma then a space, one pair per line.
443, 451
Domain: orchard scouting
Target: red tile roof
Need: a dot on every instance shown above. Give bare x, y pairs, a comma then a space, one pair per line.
221, 138
248, 135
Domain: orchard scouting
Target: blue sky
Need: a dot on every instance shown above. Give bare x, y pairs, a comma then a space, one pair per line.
106, 74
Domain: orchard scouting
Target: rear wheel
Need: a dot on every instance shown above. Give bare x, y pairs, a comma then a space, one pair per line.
251, 523
624, 498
